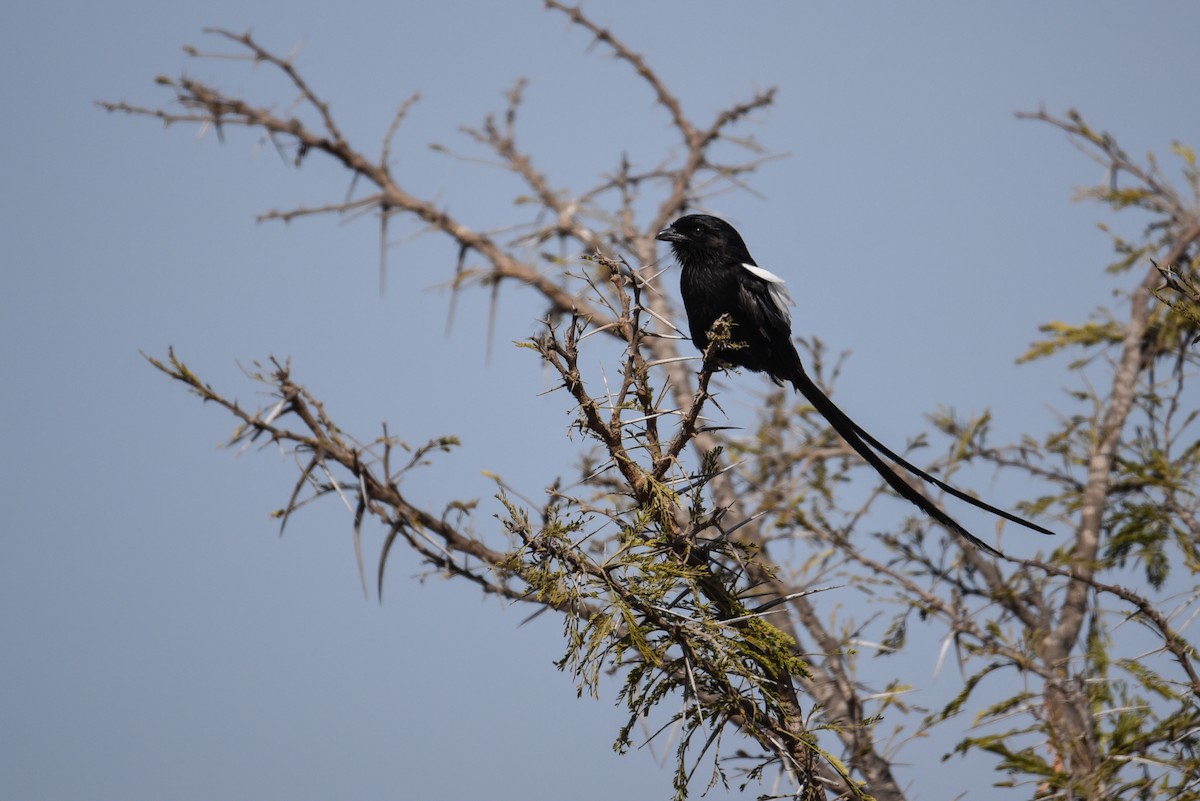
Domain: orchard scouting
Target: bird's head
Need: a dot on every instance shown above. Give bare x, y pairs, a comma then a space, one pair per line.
702, 237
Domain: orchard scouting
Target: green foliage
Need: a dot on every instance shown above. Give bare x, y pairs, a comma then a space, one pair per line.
1098, 721
655, 583
1063, 336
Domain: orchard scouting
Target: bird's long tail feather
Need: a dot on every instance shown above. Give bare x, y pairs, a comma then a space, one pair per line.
863, 443
942, 485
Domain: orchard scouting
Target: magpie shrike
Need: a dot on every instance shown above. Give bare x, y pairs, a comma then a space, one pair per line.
720, 278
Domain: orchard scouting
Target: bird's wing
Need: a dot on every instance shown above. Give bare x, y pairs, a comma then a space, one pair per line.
777, 290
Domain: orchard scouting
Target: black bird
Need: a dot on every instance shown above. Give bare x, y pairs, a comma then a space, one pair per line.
720, 278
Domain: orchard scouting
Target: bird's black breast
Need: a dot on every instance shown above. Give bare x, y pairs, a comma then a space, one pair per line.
761, 334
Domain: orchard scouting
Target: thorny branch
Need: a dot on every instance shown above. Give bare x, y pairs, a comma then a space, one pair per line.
662, 556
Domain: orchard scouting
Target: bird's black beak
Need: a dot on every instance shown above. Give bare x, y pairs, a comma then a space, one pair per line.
669, 234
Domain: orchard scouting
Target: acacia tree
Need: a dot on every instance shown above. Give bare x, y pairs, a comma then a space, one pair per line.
660, 549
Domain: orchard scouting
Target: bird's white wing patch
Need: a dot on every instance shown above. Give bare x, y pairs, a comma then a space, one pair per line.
776, 287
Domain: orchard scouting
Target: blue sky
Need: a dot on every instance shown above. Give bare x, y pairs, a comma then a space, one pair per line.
160, 642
